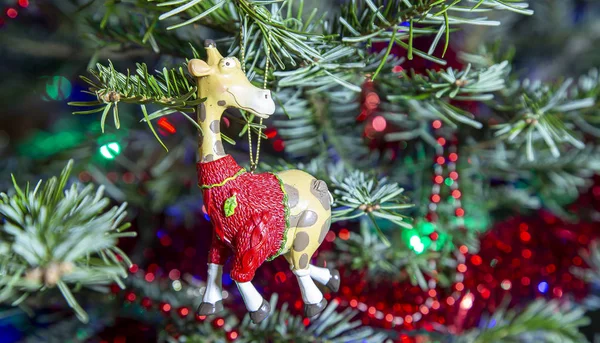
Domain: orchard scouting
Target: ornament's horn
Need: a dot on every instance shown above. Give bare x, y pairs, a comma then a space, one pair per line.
212, 53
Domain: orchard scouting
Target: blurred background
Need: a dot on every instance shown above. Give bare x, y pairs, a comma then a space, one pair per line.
46, 45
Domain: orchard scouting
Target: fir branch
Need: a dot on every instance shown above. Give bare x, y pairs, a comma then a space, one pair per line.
541, 321
359, 194
556, 181
281, 326
539, 112
132, 20
591, 256
174, 91
365, 251
293, 39
427, 97
50, 238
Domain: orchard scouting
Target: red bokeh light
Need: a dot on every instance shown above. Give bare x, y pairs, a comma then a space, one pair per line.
12, 13
379, 123
344, 234
525, 236
278, 145
166, 125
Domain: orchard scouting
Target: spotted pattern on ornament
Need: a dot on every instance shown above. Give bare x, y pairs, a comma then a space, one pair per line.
218, 148
301, 241
214, 126
303, 261
202, 113
324, 230
293, 195
303, 219
318, 188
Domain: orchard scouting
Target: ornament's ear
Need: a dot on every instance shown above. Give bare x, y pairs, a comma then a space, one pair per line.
199, 68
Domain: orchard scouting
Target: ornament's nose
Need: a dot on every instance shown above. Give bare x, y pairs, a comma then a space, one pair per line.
265, 94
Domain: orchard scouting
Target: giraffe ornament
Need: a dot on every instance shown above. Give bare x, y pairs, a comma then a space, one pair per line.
255, 217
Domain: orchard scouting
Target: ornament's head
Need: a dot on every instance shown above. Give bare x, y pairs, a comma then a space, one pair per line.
222, 79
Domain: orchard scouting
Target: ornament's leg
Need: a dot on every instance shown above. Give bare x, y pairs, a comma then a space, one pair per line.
314, 302
258, 307
325, 276
212, 302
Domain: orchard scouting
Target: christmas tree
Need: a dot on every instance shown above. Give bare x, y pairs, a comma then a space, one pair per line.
407, 171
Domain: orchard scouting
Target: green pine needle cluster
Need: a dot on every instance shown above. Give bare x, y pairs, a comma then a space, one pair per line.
541, 321
282, 326
51, 237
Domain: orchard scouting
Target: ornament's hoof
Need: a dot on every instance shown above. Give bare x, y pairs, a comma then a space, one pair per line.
206, 309
262, 313
311, 310
334, 283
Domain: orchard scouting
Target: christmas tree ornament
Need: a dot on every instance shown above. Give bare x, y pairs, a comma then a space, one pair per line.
255, 217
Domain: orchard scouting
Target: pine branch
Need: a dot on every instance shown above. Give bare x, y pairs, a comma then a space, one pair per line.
539, 112
556, 181
172, 90
132, 20
50, 238
281, 326
364, 251
292, 39
427, 97
591, 257
541, 321
359, 195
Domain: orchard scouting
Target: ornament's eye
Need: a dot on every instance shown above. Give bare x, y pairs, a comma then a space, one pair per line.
228, 63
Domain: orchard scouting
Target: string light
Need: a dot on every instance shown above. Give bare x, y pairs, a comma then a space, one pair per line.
467, 302
166, 125
12, 13
110, 150
543, 287
379, 123
344, 234
183, 312
278, 145
416, 244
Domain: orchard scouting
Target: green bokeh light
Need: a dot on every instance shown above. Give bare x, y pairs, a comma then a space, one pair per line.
58, 88
416, 244
110, 150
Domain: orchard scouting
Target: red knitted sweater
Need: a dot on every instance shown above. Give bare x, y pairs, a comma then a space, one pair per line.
256, 229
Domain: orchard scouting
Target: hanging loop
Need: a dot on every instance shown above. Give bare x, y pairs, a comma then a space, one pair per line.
254, 159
